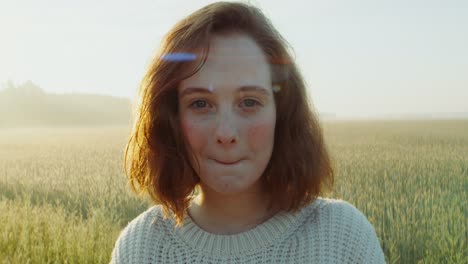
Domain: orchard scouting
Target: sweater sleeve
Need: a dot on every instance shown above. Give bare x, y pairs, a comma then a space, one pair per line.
116, 256
137, 240
371, 251
120, 247
368, 249
352, 237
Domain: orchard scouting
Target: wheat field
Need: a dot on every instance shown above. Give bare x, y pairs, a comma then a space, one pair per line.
64, 198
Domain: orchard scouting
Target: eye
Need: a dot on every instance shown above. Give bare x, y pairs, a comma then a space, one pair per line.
198, 104
251, 103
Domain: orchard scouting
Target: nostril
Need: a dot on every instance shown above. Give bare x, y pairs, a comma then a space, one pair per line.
226, 140
226, 133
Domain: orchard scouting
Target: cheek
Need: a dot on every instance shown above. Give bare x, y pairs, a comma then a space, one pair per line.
195, 133
261, 135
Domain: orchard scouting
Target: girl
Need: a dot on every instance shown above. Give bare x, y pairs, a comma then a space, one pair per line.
232, 155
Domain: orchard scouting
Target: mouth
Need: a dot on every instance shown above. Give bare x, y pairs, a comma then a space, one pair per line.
227, 162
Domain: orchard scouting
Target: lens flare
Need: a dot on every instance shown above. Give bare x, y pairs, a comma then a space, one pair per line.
179, 56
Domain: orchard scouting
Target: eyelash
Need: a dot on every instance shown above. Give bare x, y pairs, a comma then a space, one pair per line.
193, 104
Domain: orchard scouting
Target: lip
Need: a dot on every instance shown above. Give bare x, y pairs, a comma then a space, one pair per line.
227, 163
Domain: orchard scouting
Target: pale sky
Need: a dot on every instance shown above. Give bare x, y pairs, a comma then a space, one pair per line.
359, 58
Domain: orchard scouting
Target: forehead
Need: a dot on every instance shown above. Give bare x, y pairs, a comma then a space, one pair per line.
232, 61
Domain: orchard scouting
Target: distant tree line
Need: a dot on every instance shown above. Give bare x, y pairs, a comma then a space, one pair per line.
27, 105
27, 88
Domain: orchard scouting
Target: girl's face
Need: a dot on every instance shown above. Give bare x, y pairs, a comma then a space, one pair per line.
228, 115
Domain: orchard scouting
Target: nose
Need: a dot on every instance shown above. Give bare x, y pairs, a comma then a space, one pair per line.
226, 130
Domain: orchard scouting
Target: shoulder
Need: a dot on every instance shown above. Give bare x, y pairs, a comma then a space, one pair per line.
140, 235
341, 212
342, 226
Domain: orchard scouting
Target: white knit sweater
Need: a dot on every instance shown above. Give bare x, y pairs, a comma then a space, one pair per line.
326, 231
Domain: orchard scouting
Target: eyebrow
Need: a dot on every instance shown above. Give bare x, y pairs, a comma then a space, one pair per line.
254, 88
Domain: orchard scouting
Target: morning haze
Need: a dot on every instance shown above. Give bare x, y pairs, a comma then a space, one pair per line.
360, 59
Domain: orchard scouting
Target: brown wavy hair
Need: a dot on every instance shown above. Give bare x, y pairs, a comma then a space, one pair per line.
156, 158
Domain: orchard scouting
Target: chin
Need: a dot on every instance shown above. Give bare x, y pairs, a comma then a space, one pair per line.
226, 187
229, 185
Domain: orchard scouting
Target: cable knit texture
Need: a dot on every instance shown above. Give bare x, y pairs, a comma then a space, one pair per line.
326, 231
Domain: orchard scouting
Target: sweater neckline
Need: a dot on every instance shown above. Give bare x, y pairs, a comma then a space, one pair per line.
269, 232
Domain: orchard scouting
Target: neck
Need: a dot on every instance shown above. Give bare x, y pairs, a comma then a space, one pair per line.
230, 213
